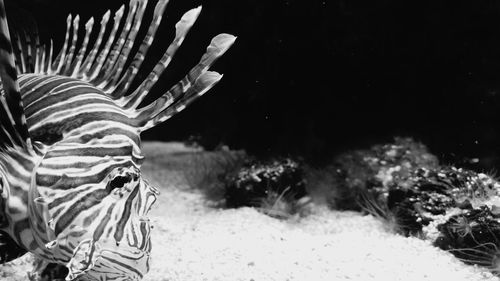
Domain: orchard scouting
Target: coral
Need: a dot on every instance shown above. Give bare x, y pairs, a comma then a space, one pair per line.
276, 187
456, 209
376, 170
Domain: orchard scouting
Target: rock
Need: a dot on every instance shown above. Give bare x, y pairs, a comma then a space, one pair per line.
276, 187
456, 209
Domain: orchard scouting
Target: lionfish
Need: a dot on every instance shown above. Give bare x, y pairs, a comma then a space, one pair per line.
70, 182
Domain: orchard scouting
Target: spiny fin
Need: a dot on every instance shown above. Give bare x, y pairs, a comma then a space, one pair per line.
192, 86
181, 29
12, 118
112, 68
204, 83
123, 85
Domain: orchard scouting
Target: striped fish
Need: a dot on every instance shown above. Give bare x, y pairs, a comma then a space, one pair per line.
71, 190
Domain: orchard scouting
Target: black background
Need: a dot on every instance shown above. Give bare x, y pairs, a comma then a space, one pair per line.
314, 78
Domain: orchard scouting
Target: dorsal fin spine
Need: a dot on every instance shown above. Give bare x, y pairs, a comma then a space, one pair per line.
79, 58
61, 57
39, 58
16, 45
123, 85
71, 52
89, 60
48, 61
97, 66
42, 54
127, 47
22, 57
181, 29
29, 52
204, 83
37, 49
117, 47
8, 136
104, 67
12, 114
193, 85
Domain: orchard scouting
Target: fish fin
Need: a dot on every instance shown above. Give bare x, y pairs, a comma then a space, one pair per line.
14, 130
124, 46
192, 86
121, 88
25, 40
57, 64
181, 30
164, 110
112, 68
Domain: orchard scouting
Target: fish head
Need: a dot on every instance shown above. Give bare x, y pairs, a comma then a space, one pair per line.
91, 203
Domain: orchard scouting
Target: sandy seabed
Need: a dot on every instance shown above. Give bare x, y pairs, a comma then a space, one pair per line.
193, 241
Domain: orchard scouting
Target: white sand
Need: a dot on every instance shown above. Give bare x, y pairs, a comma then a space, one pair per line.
201, 244
192, 241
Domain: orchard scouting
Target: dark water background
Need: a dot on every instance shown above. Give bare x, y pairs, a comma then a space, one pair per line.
315, 78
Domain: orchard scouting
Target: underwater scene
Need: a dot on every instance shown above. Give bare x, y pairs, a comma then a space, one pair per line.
249, 140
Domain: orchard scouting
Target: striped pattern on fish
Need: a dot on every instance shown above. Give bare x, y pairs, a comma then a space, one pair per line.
70, 154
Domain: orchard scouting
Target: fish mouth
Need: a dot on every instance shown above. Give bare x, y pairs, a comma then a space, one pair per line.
105, 260
119, 266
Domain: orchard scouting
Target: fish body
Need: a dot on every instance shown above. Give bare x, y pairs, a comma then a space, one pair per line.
70, 154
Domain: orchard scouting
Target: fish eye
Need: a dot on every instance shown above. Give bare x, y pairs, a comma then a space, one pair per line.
119, 181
